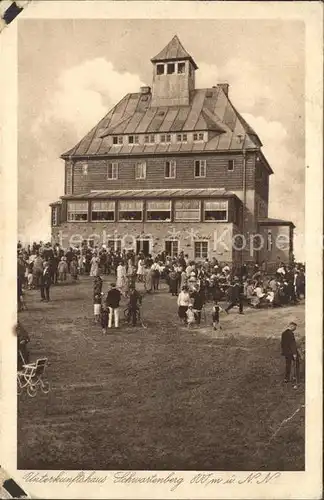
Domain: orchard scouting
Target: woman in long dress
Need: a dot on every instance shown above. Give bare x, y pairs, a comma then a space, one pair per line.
140, 270
121, 276
94, 270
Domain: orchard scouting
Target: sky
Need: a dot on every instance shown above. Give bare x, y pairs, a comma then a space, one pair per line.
75, 71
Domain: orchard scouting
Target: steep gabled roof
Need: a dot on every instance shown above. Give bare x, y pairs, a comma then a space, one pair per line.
209, 109
174, 50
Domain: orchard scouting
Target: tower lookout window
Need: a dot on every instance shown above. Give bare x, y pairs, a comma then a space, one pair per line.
160, 69
171, 68
181, 67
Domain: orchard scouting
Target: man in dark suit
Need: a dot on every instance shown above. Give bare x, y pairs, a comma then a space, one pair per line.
45, 282
235, 295
290, 351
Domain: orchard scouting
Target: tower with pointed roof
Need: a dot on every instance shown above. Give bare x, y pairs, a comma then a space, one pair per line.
173, 75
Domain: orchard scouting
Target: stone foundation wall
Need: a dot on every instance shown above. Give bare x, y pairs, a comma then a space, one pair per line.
218, 235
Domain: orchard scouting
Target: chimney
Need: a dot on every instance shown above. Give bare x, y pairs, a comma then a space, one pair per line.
145, 90
224, 87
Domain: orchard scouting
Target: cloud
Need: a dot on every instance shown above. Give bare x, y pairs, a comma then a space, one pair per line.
247, 90
84, 94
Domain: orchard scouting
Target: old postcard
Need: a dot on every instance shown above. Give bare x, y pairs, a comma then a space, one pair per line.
161, 255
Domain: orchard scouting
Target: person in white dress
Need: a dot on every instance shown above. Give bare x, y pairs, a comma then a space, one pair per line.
121, 276
141, 270
94, 270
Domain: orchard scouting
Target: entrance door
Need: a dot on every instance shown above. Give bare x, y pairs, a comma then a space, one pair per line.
143, 246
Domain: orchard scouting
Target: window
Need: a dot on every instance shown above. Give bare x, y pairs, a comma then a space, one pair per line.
85, 169
269, 241
187, 211
198, 136
160, 69
200, 168
140, 170
231, 165
112, 171
77, 211
181, 67
172, 248
114, 245
170, 169
133, 139
201, 249
181, 137
165, 138
117, 139
149, 139
159, 210
170, 68
54, 216
102, 211
130, 210
215, 210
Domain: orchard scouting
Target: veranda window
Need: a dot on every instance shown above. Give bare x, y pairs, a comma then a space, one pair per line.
130, 210
77, 211
103, 211
187, 211
216, 210
158, 210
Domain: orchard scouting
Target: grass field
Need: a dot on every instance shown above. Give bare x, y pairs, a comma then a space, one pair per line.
162, 397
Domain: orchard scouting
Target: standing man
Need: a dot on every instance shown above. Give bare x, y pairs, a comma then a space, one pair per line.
112, 301
135, 300
235, 296
290, 351
45, 283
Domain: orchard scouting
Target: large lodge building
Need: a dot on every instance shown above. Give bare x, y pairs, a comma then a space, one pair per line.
172, 168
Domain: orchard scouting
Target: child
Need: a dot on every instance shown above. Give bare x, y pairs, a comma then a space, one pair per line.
97, 307
215, 315
190, 316
104, 318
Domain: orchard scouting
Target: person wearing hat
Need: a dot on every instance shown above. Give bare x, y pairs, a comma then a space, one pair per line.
290, 352
45, 283
112, 301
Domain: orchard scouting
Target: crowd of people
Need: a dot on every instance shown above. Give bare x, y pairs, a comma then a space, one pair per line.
193, 284
41, 265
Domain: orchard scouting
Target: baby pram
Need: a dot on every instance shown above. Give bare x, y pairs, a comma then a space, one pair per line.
30, 377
